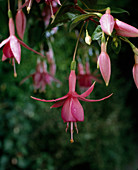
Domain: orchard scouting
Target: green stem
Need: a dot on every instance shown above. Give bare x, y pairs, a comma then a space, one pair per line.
78, 41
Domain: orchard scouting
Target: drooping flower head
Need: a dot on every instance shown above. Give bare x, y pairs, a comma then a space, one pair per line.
104, 63
12, 48
20, 21
85, 77
135, 67
107, 22
41, 77
72, 110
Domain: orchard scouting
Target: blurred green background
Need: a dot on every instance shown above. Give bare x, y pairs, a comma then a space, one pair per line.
32, 136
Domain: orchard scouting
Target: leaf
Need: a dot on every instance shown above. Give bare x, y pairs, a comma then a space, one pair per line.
81, 17
118, 10
97, 34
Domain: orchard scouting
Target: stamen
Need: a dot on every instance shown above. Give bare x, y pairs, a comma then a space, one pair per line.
71, 131
67, 126
13, 62
75, 124
52, 14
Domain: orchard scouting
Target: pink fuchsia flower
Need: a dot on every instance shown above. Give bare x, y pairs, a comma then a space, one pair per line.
12, 48
107, 22
72, 111
135, 70
104, 64
20, 21
41, 77
85, 78
124, 29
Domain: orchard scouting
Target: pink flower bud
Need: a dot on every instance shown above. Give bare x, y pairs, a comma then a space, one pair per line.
105, 66
135, 74
20, 23
124, 29
50, 56
107, 23
87, 67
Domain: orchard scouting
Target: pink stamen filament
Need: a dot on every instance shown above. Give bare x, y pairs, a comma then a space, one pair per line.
52, 14
71, 131
13, 62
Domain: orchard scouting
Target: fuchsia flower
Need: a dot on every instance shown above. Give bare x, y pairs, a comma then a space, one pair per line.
41, 77
72, 110
124, 29
20, 21
107, 22
85, 78
12, 48
104, 64
135, 70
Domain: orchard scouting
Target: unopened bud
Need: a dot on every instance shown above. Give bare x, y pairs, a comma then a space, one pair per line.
88, 39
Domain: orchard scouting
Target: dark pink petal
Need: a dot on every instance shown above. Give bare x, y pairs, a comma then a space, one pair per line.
54, 100
87, 93
66, 111
90, 100
26, 46
77, 110
7, 51
58, 104
135, 74
4, 57
4, 42
15, 48
20, 23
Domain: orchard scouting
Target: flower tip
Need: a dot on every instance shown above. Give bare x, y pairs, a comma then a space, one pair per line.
28, 10
106, 84
15, 74
71, 140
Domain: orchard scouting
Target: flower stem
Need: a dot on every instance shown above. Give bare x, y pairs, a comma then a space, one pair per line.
78, 41
8, 4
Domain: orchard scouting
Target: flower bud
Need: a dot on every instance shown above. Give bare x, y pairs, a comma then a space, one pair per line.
135, 73
124, 29
107, 22
20, 23
88, 39
105, 66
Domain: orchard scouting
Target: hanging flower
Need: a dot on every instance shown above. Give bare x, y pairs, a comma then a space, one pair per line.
12, 48
20, 21
72, 110
41, 77
104, 64
85, 78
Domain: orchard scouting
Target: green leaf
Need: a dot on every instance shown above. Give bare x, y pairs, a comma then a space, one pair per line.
118, 10
97, 34
81, 18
